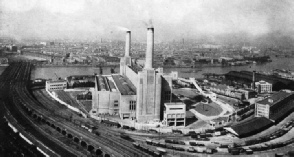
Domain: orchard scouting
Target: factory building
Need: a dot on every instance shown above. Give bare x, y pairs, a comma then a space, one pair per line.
114, 95
140, 92
248, 93
263, 87
267, 112
105, 96
174, 114
275, 106
56, 85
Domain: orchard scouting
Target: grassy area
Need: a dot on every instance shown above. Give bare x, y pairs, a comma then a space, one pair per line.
198, 124
211, 109
229, 101
189, 93
64, 96
87, 104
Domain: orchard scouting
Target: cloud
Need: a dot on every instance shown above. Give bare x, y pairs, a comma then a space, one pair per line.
63, 6
171, 19
17, 5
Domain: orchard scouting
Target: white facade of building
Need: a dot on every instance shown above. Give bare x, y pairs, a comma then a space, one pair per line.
174, 114
262, 110
56, 85
263, 87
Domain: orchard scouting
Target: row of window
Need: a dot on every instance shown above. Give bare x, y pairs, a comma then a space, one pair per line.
262, 106
132, 105
115, 104
175, 115
167, 95
58, 85
262, 109
176, 109
261, 112
55, 88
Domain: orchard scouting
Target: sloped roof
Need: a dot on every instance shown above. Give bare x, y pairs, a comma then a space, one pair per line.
273, 99
250, 127
124, 85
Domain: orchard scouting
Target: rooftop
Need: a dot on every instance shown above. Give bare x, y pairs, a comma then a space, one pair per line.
56, 81
273, 99
262, 82
247, 89
174, 103
251, 126
283, 112
219, 119
136, 68
124, 85
102, 83
221, 87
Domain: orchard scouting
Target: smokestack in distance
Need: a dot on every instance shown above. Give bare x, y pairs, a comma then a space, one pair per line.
253, 80
150, 48
128, 44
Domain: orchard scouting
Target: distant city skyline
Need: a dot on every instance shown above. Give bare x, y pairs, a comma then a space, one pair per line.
212, 20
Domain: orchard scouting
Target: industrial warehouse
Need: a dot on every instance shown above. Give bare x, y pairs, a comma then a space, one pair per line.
268, 111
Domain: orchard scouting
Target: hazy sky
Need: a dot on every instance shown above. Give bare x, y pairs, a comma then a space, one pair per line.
172, 19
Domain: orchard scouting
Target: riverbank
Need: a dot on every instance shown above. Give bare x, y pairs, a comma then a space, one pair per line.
72, 65
48, 72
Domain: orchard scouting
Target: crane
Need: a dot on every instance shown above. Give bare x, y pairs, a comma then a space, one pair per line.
58, 78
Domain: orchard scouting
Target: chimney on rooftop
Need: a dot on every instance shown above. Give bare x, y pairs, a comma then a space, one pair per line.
253, 80
270, 100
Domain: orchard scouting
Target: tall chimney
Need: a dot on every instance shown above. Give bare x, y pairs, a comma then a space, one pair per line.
253, 80
150, 48
128, 44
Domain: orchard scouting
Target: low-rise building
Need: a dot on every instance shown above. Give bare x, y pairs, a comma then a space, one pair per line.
174, 114
248, 93
114, 95
218, 122
263, 87
56, 85
227, 91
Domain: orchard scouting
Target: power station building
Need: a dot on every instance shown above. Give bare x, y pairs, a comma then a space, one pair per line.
138, 93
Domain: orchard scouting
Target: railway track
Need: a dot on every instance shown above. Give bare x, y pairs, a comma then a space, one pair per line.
14, 81
37, 125
23, 96
110, 140
7, 82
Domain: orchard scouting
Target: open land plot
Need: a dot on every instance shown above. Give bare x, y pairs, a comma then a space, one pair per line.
210, 109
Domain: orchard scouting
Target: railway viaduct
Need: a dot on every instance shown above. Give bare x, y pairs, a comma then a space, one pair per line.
80, 139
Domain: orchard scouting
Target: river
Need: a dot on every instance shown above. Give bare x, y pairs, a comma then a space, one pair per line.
281, 63
49, 72
277, 63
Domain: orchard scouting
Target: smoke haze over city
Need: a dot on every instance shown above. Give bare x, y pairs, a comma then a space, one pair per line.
212, 21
